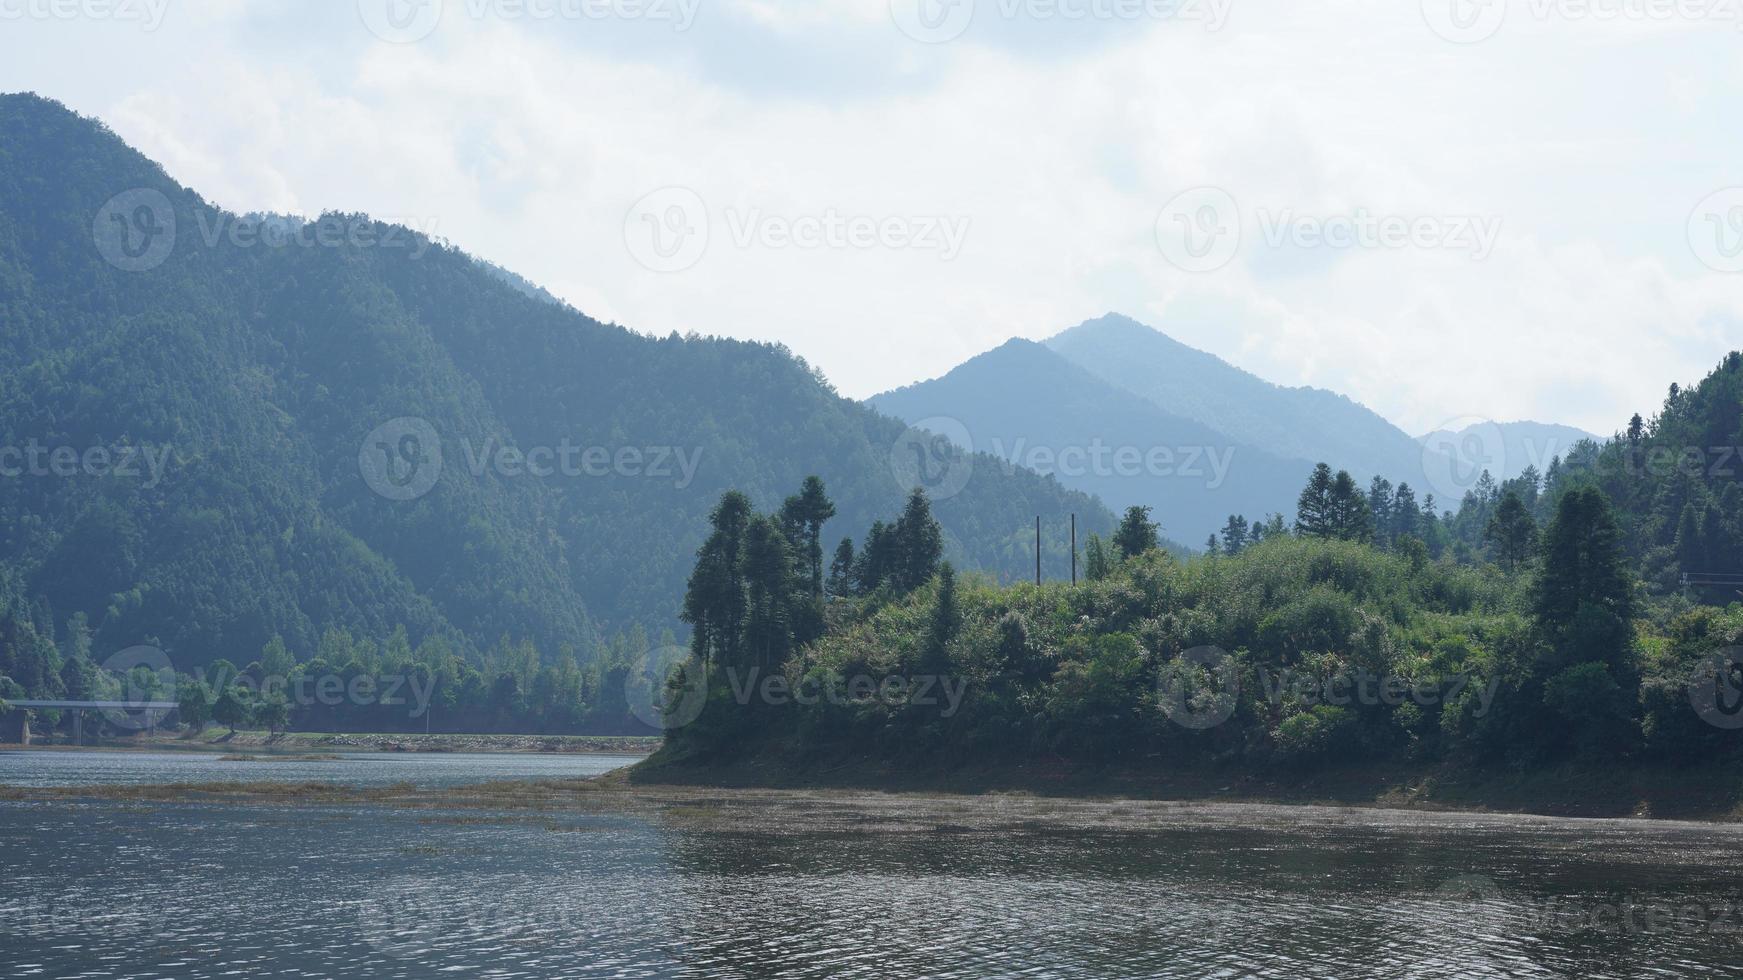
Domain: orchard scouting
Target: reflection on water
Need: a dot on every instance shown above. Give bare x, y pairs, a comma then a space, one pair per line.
427, 769
196, 891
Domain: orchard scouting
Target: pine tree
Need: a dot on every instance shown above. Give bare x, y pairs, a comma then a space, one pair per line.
1380, 505
946, 621
841, 570
919, 543
877, 560
1512, 532
1137, 533
1348, 517
715, 603
1584, 600
809, 511
1313, 510
1234, 535
1405, 516
769, 593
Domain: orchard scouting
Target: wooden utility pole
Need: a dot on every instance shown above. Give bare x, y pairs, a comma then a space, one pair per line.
1074, 549
1037, 549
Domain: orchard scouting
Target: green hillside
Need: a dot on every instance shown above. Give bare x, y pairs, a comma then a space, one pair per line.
272, 367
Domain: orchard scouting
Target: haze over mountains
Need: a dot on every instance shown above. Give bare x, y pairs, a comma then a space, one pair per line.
369, 429
1210, 439
1027, 405
1510, 446
360, 428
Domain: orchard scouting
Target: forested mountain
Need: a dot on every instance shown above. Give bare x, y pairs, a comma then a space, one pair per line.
1676, 480
1291, 423
296, 388
1028, 405
1584, 613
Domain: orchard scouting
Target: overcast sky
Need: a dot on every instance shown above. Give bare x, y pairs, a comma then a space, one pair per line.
1443, 210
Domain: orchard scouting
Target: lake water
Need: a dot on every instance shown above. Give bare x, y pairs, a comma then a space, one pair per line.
727, 886
424, 769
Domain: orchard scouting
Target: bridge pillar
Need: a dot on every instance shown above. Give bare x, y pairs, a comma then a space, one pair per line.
15, 726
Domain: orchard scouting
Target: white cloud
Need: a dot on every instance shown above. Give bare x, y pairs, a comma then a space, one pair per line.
528, 143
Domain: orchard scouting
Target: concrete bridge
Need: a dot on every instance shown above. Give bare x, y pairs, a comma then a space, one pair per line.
80, 707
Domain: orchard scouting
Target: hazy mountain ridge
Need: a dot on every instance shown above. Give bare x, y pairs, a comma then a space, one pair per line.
1510, 447
264, 368
1293, 423
1023, 402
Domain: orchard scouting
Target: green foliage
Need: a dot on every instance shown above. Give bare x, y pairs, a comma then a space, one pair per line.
1098, 559
262, 370
1595, 708
1137, 533
232, 708
1584, 597
1321, 733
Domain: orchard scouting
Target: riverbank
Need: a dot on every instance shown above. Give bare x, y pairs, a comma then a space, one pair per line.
299, 743
1710, 792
